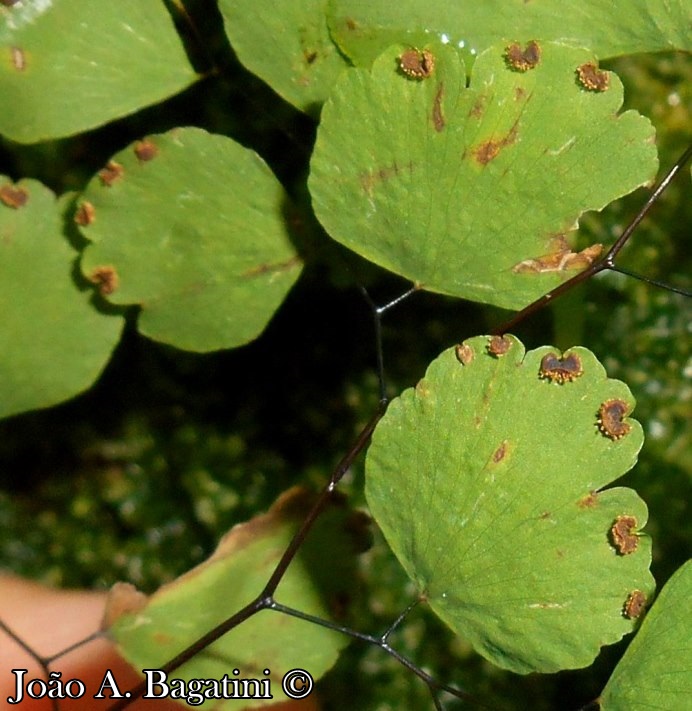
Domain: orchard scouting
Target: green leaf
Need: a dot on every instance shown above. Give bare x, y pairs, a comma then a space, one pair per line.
53, 342
150, 632
71, 65
363, 29
656, 670
495, 505
191, 226
288, 45
471, 191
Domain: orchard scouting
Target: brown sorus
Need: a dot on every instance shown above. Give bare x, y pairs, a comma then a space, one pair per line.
105, 278
610, 418
464, 353
635, 604
522, 59
499, 345
12, 196
558, 369
416, 63
85, 214
146, 150
593, 78
112, 172
624, 534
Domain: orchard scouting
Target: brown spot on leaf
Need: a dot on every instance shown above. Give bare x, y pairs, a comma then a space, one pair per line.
112, 172
351, 24
522, 59
634, 605
589, 501
560, 260
12, 196
272, 267
369, 180
519, 93
416, 63
18, 58
438, 118
486, 151
8, 3
500, 452
499, 345
610, 418
478, 107
310, 57
85, 214
593, 78
105, 278
545, 516
624, 534
558, 369
464, 353
146, 150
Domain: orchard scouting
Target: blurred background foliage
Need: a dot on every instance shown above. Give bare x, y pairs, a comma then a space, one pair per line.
138, 478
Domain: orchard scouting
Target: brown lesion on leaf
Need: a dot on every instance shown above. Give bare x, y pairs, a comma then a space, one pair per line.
560, 258
438, 118
522, 59
146, 150
272, 268
519, 93
610, 418
545, 516
623, 534
478, 107
560, 369
499, 345
501, 452
417, 63
13, 196
464, 353
592, 78
111, 173
634, 605
368, 180
106, 279
488, 150
85, 214
9, 3
18, 58
588, 501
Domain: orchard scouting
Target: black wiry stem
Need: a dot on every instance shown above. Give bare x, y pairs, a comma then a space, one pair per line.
652, 282
377, 313
606, 262
40, 660
395, 625
380, 642
265, 599
342, 467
